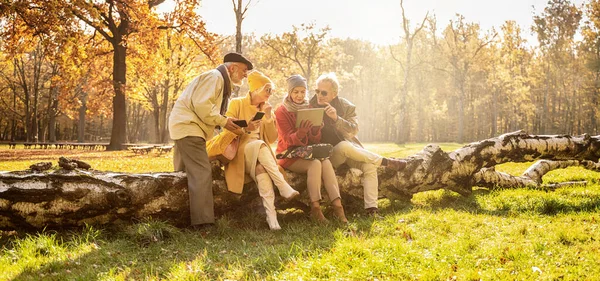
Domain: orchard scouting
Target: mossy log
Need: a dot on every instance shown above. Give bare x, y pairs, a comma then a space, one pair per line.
72, 198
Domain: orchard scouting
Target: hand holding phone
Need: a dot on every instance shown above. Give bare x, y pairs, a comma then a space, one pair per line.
242, 123
259, 115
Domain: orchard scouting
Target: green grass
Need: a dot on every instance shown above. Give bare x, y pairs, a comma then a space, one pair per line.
127, 161
521, 234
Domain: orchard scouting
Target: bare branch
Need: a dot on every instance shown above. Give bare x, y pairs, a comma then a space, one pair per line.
395, 58
91, 24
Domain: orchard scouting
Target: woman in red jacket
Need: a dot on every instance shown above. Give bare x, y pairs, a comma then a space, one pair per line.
289, 136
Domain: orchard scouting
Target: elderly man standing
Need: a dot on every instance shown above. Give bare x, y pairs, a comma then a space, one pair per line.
340, 129
198, 110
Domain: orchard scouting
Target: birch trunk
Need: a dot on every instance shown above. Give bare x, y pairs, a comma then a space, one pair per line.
61, 198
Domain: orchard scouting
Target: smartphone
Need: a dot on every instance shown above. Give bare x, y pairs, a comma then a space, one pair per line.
259, 115
241, 123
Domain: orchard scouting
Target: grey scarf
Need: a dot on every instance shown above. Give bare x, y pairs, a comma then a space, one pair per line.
291, 106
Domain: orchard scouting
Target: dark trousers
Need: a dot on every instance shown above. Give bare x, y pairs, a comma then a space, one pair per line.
190, 156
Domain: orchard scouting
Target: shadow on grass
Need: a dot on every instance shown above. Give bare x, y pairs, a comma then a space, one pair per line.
238, 247
511, 202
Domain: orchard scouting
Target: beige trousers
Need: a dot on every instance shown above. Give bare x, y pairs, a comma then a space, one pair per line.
364, 160
316, 170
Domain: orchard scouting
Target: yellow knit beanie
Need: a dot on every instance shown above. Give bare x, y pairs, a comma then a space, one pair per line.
257, 80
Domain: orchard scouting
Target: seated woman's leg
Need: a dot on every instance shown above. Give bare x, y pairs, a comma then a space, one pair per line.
265, 158
333, 190
312, 168
265, 190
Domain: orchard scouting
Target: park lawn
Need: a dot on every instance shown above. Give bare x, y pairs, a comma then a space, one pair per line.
127, 161
520, 234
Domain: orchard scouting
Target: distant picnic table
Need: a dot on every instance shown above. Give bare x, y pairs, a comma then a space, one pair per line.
136, 148
60, 145
145, 149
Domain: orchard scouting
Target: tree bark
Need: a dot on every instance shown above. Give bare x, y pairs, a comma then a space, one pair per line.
82, 114
52, 111
119, 128
163, 121
60, 198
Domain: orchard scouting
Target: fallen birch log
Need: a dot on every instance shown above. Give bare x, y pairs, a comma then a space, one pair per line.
73, 198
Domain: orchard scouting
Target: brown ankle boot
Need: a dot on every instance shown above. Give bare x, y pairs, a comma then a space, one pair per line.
317, 215
338, 211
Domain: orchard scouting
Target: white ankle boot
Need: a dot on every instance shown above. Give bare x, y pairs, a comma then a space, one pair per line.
287, 192
265, 189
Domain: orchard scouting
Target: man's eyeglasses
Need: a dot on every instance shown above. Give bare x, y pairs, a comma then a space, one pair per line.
319, 92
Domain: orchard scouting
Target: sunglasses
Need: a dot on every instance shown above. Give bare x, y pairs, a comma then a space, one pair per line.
322, 93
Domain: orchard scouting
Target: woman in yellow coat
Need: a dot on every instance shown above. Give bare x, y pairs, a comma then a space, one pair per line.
255, 159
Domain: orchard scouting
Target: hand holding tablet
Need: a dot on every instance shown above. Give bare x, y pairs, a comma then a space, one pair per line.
314, 115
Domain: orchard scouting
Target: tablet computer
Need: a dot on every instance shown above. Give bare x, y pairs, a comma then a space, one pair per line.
314, 115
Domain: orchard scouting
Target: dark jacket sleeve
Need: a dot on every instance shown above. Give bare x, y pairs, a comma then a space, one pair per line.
347, 123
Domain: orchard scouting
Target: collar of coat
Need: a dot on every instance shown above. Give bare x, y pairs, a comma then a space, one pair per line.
247, 100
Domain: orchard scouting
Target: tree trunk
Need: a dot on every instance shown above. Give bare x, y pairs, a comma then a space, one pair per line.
156, 119
75, 198
163, 114
404, 127
461, 114
119, 128
494, 113
13, 125
52, 119
238, 28
81, 121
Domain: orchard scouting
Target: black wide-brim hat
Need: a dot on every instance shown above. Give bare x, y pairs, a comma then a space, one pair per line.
235, 57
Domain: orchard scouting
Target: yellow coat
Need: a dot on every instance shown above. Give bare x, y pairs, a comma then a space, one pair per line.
241, 108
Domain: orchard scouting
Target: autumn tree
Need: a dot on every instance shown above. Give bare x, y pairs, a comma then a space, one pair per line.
406, 63
304, 47
461, 47
117, 22
511, 105
556, 27
240, 9
178, 53
590, 52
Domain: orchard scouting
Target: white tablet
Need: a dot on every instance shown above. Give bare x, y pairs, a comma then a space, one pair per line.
314, 115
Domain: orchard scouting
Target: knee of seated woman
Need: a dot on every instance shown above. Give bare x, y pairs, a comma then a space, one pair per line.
326, 162
315, 163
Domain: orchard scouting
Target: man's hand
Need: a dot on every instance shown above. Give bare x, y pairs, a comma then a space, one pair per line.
253, 125
230, 125
331, 112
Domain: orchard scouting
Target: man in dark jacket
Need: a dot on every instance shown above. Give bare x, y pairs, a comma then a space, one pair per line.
340, 129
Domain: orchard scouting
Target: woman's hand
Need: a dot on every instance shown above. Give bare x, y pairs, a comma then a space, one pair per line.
305, 125
315, 129
253, 125
267, 109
